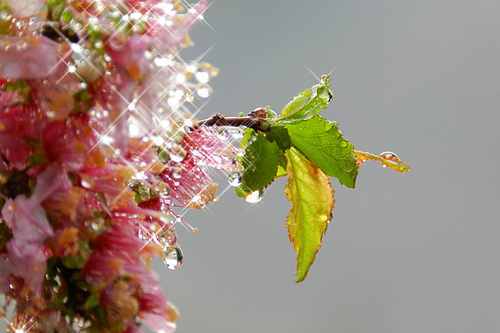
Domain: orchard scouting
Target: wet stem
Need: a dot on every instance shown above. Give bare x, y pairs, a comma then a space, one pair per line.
218, 119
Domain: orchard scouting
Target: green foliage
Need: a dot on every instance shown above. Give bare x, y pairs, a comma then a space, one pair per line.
321, 141
308, 149
308, 103
309, 190
260, 161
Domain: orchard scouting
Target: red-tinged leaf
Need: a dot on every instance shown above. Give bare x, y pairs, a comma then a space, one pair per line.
311, 194
388, 159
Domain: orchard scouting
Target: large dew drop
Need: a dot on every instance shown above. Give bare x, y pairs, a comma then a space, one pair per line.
235, 178
255, 197
173, 257
389, 155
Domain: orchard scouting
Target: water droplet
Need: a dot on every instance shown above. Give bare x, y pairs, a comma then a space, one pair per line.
389, 155
204, 91
173, 257
168, 238
235, 178
330, 96
202, 77
238, 133
177, 172
154, 226
223, 134
196, 198
143, 235
177, 153
255, 197
226, 155
97, 224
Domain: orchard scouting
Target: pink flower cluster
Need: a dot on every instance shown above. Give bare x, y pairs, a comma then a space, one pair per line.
93, 158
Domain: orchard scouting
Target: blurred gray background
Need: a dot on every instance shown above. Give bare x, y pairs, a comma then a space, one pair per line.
415, 252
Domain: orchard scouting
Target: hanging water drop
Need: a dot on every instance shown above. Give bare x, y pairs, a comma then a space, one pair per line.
330, 96
202, 76
235, 178
173, 257
204, 91
255, 197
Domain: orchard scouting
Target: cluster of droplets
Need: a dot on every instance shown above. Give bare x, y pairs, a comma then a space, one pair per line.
165, 235
224, 133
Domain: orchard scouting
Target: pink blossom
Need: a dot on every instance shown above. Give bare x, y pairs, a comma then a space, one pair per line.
30, 268
30, 228
16, 125
190, 184
28, 57
69, 142
118, 253
169, 34
25, 8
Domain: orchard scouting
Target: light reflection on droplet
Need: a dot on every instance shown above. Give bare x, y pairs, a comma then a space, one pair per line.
204, 92
173, 257
162, 62
177, 153
389, 155
255, 197
202, 77
180, 78
235, 178
177, 172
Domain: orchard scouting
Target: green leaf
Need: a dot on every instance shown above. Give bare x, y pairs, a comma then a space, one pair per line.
260, 162
308, 103
281, 167
321, 142
279, 134
310, 192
